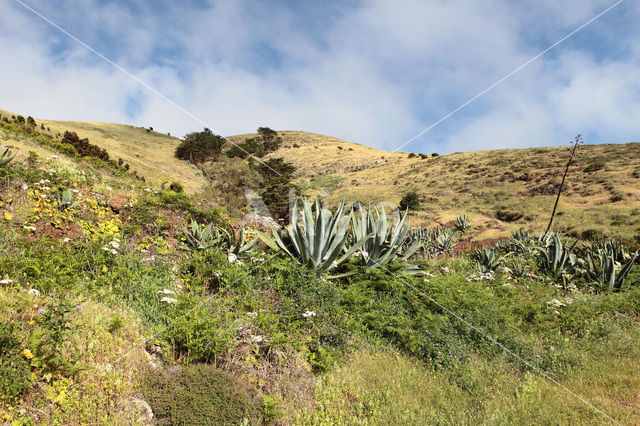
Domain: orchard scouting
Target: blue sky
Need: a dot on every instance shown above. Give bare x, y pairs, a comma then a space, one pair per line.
375, 72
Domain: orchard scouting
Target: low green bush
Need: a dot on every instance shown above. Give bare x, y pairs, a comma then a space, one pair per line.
198, 395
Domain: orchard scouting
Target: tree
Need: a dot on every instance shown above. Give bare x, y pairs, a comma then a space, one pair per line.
410, 201
270, 139
277, 175
199, 147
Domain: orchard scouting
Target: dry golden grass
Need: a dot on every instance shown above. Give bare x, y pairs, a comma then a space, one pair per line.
602, 191
151, 154
601, 195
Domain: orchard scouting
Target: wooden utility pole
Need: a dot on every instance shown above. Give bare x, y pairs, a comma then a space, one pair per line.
576, 142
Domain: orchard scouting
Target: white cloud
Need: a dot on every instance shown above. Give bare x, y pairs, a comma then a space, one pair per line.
375, 73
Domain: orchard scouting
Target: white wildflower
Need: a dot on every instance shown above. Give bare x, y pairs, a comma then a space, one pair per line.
66, 240
115, 244
168, 300
113, 251
108, 188
556, 303
309, 314
46, 188
252, 314
256, 339
30, 228
25, 186
43, 195
34, 292
166, 291
7, 281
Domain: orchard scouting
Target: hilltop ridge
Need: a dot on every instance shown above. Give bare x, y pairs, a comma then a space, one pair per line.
499, 190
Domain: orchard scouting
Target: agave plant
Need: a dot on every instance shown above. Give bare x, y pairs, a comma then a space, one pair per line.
316, 240
522, 236
520, 243
201, 237
556, 257
386, 242
239, 246
5, 156
518, 269
486, 260
461, 224
432, 242
66, 199
602, 267
613, 248
445, 240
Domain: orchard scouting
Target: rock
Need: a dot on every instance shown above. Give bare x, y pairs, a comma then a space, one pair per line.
140, 407
153, 350
117, 202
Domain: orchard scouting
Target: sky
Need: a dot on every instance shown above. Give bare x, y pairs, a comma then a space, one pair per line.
375, 72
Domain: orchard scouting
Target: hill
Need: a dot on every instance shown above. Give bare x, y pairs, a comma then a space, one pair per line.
149, 153
499, 190
124, 302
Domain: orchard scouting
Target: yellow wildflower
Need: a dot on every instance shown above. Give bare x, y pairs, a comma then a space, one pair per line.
27, 354
8, 216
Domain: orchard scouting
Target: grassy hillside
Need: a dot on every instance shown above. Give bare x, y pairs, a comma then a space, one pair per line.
119, 306
500, 190
150, 153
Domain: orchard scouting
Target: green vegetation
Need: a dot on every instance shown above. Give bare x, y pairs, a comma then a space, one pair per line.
198, 147
410, 201
113, 293
199, 394
5, 156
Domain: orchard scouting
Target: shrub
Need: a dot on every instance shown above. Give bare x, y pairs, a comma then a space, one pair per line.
266, 142
410, 201
200, 394
595, 165
176, 187
31, 121
277, 175
412, 155
229, 179
199, 147
83, 147
435, 154
250, 147
617, 196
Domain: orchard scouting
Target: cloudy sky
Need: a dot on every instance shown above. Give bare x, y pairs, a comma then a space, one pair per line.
375, 72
